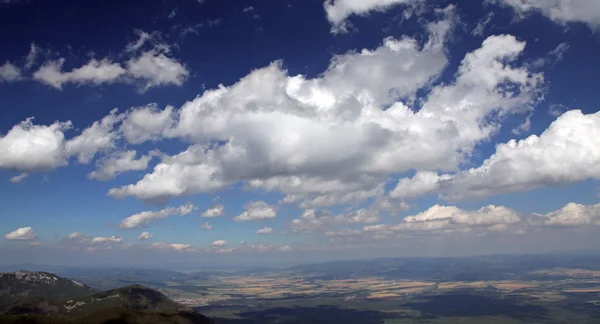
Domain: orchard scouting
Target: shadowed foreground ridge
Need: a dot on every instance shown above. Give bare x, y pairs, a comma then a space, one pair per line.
32, 297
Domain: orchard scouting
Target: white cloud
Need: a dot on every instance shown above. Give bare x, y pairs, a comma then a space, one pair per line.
18, 178
32, 56
145, 217
154, 39
21, 234
206, 226
565, 152
102, 240
318, 192
435, 212
78, 240
559, 52
173, 247
285, 248
339, 10
144, 236
94, 72
265, 230
257, 210
488, 215
422, 183
343, 232
525, 126
552, 57
214, 211
280, 133
155, 69
100, 136
28, 147
571, 214
482, 24
147, 123
119, 162
450, 219
182, 174
557, 110
219, 243
9, 72
561, 11
151, 68
312, 219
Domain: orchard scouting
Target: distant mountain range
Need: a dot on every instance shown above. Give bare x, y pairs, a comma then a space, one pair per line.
42, 297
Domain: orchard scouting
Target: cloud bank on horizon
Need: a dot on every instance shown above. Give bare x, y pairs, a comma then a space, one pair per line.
333, 157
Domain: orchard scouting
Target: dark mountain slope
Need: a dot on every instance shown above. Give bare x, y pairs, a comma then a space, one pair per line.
24, 300
21, 284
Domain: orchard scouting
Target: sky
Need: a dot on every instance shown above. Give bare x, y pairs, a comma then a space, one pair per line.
230, 132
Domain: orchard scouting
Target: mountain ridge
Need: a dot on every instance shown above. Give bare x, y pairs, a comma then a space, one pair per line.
42, 297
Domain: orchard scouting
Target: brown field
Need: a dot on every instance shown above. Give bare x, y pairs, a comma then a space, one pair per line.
376, 295
455, 284
409, 284
512, 285
582, 290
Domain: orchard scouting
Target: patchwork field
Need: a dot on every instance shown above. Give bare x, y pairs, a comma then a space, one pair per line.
477, 290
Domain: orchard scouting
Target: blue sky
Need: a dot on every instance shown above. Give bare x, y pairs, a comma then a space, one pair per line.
339, 128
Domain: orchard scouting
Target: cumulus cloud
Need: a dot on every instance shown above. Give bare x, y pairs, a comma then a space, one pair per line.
145, 217
219, 243
323, 107
422, 183
21, 234
565, 152
100, 136
28, 147
154, 69
206, 226
78, 240
570, 215
340, 195
94, 72
285, 248
119, 162
9, 72
560, 11
343, 232
150, 68
319, 140
147, 123
173, 247
144, 236
256, 211
265, 230
312, 219
449, 219
339, 10
214, 211
18, 178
